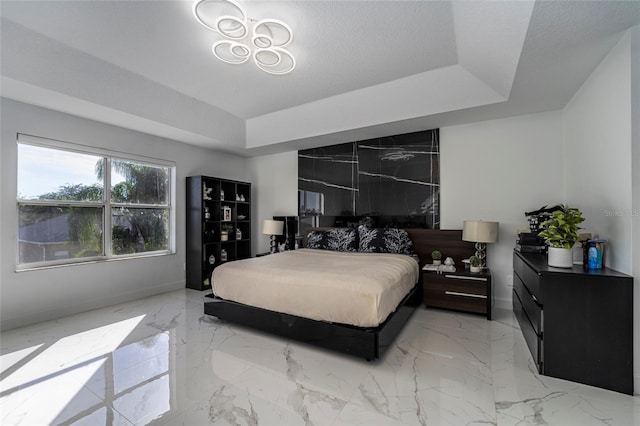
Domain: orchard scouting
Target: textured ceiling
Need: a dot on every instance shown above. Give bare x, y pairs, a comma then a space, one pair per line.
364, 67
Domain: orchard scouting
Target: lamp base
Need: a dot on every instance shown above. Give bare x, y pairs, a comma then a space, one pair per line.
481, 253
272, 247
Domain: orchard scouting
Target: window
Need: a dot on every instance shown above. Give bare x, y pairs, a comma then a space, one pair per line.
66, 216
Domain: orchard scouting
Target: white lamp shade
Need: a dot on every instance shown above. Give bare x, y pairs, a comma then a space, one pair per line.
480, 231
272, 227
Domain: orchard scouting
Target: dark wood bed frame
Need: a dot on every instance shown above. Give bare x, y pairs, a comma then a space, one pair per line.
369, 343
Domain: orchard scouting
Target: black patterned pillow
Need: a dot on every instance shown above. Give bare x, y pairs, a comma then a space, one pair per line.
337, 239
384, 240
317, 240
342, 239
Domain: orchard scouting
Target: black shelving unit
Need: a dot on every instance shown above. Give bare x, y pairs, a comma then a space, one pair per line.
215, 205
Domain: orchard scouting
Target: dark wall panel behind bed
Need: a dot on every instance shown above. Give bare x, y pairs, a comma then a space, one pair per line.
393, 176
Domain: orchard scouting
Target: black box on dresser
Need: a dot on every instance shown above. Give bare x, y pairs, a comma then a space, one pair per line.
578, 324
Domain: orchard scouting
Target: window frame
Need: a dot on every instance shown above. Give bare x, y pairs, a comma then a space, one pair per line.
106, 204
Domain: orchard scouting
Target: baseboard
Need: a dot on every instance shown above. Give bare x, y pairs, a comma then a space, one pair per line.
29, 319
502, 303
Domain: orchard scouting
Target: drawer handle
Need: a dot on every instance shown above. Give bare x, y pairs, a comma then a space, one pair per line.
464, 277
455, 293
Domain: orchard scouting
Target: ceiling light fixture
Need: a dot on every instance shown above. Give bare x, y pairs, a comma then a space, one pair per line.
244, 38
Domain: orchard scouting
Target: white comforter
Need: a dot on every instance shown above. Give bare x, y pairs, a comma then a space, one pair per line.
360, 289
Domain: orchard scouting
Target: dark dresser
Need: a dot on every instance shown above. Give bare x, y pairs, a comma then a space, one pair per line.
578, 324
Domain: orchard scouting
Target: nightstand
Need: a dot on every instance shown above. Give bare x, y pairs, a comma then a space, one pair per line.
460, 290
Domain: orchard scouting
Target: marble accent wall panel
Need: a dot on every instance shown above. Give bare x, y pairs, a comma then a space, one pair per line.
332, 172
390, 176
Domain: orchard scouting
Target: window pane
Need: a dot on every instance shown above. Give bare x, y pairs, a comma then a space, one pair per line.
53, 174
139, 230
53, 233
138, 183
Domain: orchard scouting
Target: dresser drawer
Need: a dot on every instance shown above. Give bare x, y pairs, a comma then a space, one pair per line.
529, 277
529, 305
456, 292
534, 342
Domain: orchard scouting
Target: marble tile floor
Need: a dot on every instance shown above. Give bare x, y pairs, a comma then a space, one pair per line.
161, 361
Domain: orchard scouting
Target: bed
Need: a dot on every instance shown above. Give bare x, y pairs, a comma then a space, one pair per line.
342, 306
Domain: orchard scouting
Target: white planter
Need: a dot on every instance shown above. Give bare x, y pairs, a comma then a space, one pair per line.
437, 262
475, 269
560, 257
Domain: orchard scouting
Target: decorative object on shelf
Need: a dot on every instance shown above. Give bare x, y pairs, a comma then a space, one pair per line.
207, 214
237, 197
226, 228
226, 213
272, 228
241, 217
560, 232
481, 233
264, 40
212, 260
242, 198
476, 264
223, 255
205, 192
238, 234
221, 194
449, 261
436, 255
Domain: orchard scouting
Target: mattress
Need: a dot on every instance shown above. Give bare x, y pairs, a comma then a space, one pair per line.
359, 289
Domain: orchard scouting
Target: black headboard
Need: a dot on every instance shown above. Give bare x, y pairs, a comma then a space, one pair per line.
448, 241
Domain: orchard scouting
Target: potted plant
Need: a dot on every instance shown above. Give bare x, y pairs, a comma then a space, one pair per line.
224, 232
475, 264
560, 232
437, 257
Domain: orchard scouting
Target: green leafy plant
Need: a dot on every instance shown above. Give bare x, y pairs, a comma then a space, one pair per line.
561, 229
475, 261
227, 227
436, 255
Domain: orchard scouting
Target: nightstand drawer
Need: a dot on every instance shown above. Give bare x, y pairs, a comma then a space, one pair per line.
463, 293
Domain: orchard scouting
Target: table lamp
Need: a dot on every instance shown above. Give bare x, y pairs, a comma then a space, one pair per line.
272, 228
481, 233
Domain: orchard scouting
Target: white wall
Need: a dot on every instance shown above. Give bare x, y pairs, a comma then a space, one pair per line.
274, 191
497, 170
597, 143
32, 296
635, 195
